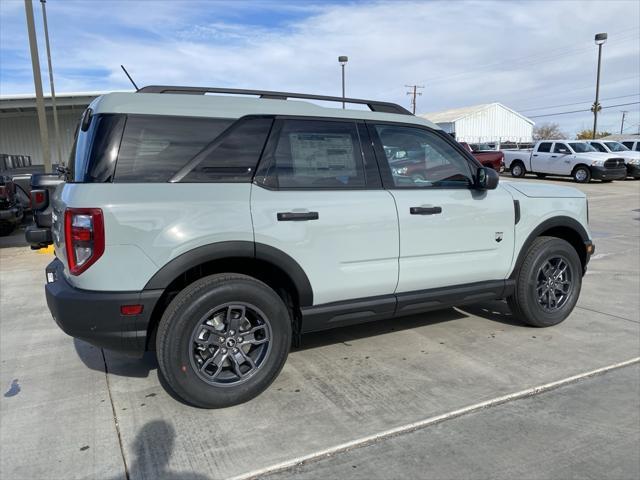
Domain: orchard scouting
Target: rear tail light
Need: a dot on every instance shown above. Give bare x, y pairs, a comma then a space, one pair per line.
84, 237
38, 199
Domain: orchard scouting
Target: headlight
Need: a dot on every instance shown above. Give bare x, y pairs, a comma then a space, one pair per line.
399, 171
598, 163
633, 161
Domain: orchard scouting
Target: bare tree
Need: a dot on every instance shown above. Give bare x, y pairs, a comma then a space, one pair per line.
548, 131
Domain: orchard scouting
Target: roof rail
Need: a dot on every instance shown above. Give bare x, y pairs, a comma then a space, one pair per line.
374, 105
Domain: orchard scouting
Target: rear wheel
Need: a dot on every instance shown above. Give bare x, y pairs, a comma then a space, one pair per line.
223, 340
517, 169
581, 174
548, 283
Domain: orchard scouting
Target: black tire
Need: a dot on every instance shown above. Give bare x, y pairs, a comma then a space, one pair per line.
184, 317
6, 228
606, 181
541, 175
517, 169
581, 174
525, 303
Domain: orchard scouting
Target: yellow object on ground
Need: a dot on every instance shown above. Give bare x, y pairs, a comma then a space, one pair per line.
48, 249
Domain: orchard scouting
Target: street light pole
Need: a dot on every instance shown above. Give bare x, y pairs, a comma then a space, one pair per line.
56, 126
343, 60
600, 39
37, 82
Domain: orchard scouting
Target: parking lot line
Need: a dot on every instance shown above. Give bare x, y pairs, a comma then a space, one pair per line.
369, 439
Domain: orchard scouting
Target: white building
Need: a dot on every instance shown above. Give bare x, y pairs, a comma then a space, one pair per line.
19, 130
489, 123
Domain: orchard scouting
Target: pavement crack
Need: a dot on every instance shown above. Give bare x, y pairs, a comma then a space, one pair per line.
115, 416
608, 314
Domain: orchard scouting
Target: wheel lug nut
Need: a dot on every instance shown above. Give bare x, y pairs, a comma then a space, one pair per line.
221, 339
224, 350
232, 332
235, 350
240, 339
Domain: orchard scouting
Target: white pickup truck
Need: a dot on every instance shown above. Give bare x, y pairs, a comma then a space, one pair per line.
565, 157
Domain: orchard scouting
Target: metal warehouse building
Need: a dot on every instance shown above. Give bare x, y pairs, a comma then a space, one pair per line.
19, 131
487, 123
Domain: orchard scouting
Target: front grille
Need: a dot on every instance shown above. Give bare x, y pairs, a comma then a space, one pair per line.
614, 163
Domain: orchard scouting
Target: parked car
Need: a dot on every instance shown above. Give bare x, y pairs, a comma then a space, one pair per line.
11, 212
486, 155
632, 144
631, 158
42, 188
217, 229
567, 158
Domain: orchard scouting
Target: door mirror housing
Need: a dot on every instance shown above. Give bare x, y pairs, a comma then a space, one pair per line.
487, 178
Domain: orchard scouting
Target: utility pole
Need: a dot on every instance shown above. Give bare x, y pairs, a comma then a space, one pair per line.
37, 81
56, 126
414, 92
624, 114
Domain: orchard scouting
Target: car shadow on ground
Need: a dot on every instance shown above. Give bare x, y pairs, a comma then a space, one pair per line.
152, 450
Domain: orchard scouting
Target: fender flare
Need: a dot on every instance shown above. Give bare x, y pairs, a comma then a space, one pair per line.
560, 221
234, 249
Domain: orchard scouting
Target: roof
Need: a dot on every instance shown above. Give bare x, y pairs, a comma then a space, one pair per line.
230, 106
455, 114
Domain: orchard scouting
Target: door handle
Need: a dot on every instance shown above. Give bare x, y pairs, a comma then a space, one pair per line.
425, 210
535, 154
553, 156
297, 216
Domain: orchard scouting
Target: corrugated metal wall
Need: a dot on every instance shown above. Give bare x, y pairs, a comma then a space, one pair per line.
20, 135
494, 124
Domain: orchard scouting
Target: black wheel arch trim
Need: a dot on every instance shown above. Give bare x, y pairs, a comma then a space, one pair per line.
560, 221
234, 249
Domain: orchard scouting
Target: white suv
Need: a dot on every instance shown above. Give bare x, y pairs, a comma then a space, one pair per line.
219, 229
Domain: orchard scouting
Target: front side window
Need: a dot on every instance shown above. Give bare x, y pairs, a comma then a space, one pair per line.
316, 154
544, 147
598, 147
561, 148
154, 148
616, 147
580, 147
420, 158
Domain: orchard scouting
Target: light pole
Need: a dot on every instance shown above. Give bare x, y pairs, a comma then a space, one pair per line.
600, 39
343, 59
53, 91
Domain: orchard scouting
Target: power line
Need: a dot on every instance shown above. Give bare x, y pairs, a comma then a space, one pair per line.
579, 111
576, 103
413, 94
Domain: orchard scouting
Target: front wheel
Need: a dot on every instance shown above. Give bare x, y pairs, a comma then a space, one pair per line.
223, 340
582, 174
548, 283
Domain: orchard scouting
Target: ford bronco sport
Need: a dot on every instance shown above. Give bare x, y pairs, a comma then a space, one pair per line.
218, 229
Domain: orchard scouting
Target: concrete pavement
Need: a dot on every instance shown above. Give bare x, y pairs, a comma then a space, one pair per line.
340, 386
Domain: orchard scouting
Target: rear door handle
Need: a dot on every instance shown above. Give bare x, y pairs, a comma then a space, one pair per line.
297, 216
554, 156
425, 210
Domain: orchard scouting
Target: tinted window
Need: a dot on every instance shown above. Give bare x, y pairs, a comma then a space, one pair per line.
598, 147
561, 148
544, 147
234, 157
317, 154
154, 148
419, 158
94, 153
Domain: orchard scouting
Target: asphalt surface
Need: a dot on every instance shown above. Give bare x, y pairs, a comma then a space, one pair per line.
69, 410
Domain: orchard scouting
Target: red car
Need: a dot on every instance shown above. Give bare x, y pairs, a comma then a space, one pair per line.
486, 156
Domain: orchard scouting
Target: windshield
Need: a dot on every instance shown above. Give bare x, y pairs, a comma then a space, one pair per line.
582, 147
616, 147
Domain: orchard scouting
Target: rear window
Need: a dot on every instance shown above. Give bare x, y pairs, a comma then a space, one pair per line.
154, 148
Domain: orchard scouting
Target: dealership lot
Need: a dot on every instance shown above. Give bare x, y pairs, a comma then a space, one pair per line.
70, 410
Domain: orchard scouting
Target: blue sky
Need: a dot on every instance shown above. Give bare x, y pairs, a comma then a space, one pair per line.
535, 57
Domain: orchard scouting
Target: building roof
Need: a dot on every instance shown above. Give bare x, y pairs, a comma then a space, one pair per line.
624, 136
27, 102
455, 114
229, 106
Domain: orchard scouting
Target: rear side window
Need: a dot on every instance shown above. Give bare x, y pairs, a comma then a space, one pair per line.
544, 147
598, 147
629, 145
316, 154
235, 156
154, 148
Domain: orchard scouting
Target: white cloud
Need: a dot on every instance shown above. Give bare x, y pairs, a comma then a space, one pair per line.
524, 54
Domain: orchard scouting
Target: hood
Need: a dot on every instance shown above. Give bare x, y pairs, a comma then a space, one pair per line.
599, 155
545, 190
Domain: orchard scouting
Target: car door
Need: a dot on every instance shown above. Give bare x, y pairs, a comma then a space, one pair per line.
450, 233
541, 157
561, 159
318, 197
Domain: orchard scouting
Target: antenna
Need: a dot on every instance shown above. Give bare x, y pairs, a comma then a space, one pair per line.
129, 77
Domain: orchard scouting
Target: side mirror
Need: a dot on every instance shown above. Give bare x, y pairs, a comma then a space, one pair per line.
487, 178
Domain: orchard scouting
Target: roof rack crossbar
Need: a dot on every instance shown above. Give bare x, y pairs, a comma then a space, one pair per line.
374, 105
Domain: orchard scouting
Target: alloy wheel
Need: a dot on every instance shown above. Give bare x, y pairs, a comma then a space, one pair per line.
554, 284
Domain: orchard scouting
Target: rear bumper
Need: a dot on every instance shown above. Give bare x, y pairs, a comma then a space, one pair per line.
601, 173
633, 170
95, 316
38, 237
